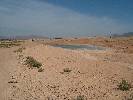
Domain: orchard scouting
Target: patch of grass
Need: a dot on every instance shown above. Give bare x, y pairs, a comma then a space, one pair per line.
81, 97
30, 61
124, 85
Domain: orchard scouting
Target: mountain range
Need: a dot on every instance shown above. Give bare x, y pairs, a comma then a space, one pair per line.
128, 34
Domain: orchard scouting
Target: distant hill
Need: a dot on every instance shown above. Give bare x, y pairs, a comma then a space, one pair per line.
123, 35
24, 37
31, 37
3, 37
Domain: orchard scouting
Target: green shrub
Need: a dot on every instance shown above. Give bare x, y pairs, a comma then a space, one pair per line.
124, 85
30, 61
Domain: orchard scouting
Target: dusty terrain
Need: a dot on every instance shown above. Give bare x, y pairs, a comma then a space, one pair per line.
93, 75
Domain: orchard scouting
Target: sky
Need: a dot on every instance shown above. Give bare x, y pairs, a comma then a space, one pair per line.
65, 17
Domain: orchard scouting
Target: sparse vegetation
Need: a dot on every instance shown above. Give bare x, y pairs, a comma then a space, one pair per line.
67, 70
20, 50
30, 61
12, 82
124, 85
130, 97
40, 69
8, 44
20, 56
81, 97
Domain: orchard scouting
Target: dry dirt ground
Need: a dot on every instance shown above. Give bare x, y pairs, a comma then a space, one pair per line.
8, 64
93, 75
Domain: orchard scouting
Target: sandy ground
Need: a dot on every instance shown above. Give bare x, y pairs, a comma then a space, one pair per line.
8, 65
94, 74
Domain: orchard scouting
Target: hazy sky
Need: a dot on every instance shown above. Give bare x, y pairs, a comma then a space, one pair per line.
65, 17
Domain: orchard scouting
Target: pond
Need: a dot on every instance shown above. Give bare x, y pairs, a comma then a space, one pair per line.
75, 46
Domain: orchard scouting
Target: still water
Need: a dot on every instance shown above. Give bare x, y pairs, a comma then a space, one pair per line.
74, 47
